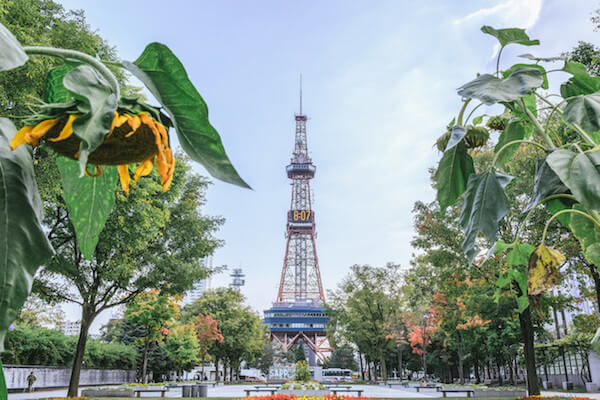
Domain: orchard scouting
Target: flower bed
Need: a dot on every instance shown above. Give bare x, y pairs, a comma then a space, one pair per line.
280, 396
553, 398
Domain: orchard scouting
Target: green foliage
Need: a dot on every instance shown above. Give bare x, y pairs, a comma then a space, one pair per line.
452, 175
24, 246
89, 201
302, 372
485, 204
182, 346
515, 130
491, 90
342, 357
96, 102
13, 55
510, 35
164, 75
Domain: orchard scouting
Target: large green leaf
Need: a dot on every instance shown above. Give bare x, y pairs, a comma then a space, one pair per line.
23, 245
546, 184
164, 75
458, 134
55, 91
518, 253
491, 90
580, 172
97, 104
485, 204
587, 233
537, 66
89, 201
510, 35
584, 110
515, 130
580, 83
452, 175
11, 52
554, 206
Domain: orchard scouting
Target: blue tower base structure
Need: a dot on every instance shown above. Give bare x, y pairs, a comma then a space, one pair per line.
299, 322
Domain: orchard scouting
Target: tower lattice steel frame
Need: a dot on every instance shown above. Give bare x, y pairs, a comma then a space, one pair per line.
298, 315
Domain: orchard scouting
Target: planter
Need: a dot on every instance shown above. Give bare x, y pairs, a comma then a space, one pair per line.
567, 385
308, 393
547, 385
500, 393
107, 393
591, 387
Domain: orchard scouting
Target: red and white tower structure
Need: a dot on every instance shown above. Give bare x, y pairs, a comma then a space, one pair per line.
298, 315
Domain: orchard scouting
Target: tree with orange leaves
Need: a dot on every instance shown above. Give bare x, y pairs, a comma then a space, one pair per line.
207, 332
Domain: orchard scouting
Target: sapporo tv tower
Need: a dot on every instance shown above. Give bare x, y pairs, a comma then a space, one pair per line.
298, 316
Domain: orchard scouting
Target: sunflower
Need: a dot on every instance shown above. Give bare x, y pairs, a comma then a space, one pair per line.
133, 138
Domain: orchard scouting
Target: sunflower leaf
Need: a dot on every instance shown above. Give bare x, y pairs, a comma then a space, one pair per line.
491, 90
587, 233
97, 102
547, 183
515, 130
580, 83
543, 269
89, 201
485, 204
55, 91
3, 391
24, 246
580, 172
584, 110
452, 175
510, 35
537, 66
13, 55
164, 75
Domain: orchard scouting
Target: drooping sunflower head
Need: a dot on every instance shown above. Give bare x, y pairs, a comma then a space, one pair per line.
133, 138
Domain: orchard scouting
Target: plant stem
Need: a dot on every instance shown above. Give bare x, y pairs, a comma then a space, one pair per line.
459, 120
536, 124
564, 212
515, 142
539, 203
498, 61
472, 111
583, 134
79, 56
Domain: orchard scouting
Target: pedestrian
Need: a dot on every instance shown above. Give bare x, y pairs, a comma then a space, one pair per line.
30, 381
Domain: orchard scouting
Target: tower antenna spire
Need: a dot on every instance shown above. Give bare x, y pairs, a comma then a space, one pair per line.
300, 94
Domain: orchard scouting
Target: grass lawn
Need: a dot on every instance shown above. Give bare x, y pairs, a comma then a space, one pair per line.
229, 398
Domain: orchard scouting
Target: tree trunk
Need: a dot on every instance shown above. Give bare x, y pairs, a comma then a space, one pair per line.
400, 366
217, 369
145, 362
461, 368
533, 386
512, 375
362, 370
383, 366
87, 317
596, 277
499, 373
476, 367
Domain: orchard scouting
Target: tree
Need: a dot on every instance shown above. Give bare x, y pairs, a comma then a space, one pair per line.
361, 306
302, 372
207, 332
152, 239
37, 313
244, 335
342, 357
181, 344
152, 312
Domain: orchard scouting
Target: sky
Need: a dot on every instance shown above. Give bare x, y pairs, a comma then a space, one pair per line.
379, 87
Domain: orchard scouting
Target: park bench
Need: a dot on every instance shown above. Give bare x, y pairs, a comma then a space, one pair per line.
469, 392
139, 391
338, 386
347, 390
248, 391
429, 386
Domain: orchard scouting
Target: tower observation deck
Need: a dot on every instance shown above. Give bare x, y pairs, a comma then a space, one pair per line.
298, 315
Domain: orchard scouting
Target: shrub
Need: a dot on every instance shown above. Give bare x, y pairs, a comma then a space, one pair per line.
302, 373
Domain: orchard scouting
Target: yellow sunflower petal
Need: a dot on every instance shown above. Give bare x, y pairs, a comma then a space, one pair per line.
33, 138
121, 120
124, 177
143, 169
165, 185
19, 138
134, 122
66, 131
94, 175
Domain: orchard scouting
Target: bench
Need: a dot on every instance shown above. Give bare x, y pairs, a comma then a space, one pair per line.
429, 386
248, 391
468, 391
337, 390
276, 387
162, 391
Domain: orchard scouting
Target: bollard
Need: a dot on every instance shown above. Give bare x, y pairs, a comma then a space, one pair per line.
202, 389
186, 391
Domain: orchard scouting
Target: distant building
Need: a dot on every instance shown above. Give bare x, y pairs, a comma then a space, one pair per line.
199, 287
71, 328
237, 280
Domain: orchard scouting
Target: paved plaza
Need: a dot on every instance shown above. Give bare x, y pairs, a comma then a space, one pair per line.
233, 391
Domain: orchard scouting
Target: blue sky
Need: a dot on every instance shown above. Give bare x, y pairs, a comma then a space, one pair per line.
379, 88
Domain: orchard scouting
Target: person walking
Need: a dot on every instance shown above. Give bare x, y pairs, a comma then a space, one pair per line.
30, 381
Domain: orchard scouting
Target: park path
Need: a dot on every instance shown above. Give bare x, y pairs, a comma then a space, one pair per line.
233, 391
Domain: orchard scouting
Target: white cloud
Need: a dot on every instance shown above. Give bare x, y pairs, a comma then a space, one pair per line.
516, 13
